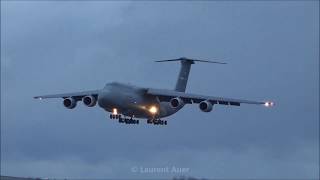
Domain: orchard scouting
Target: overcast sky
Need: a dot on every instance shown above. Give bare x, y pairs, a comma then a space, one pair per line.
272, 51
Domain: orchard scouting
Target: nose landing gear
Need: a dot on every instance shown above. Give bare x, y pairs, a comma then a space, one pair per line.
115, 116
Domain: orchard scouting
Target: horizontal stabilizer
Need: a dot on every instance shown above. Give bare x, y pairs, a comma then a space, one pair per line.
191, 61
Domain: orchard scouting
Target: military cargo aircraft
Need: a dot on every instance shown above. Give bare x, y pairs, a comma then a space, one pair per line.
128, 103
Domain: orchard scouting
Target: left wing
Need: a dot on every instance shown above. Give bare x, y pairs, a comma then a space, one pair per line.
167, 95
75, 95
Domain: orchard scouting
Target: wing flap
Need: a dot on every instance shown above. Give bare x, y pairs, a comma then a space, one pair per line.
166, 95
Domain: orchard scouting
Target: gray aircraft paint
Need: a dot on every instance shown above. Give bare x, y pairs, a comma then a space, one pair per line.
183, 76
133, 101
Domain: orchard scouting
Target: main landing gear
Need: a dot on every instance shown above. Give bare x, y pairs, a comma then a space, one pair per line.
156, 122
124, 120
135, 121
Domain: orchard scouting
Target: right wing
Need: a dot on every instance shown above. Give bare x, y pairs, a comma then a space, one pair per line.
75, 95
167, 95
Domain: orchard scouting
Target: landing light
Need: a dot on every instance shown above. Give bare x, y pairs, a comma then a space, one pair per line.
153, 110
268, 104
114, 111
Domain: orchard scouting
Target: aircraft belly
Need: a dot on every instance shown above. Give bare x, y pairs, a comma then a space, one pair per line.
128, 104
165, 110
140, 109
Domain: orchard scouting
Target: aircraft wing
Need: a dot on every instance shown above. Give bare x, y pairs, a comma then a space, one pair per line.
76, 95
167, 95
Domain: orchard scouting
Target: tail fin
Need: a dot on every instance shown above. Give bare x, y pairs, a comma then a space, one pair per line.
185, 70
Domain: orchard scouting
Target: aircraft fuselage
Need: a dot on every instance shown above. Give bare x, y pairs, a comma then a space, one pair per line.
148, 103
133, 102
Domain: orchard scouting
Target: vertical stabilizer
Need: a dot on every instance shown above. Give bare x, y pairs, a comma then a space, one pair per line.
182, 80
186, 63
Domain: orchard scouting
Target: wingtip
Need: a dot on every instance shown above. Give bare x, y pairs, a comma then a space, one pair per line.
37, 97
268, 104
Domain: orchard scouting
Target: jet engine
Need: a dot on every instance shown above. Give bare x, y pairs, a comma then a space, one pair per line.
69, 103
176, 102
205, 106
89, 101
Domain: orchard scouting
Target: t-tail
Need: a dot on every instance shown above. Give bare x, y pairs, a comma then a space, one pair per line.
186, 63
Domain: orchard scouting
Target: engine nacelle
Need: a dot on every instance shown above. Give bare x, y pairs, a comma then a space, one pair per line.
205, 106
69, 103
89, 101
176, 102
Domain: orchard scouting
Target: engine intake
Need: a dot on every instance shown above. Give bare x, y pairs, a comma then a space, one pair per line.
176, 102
205, 106
69, 103
89, 101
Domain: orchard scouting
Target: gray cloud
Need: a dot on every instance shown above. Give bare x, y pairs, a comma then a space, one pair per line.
51, 47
